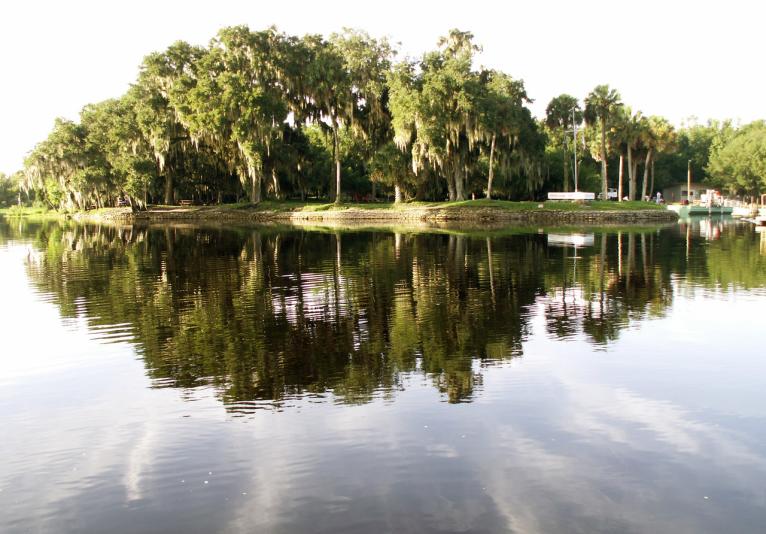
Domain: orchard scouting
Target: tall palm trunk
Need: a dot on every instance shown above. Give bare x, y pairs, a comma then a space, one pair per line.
491, 167
622, 174
604, 184
652, 182
397, 194
647, 164
631, 175
635, 178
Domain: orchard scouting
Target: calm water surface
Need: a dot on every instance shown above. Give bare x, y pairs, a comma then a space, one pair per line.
184, 379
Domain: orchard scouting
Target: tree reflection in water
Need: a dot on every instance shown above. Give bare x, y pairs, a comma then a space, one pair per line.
267, 314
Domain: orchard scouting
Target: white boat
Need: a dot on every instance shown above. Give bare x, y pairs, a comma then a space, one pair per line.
743, 211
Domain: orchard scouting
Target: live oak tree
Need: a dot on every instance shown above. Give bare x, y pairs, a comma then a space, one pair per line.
366, 62
233, 100
156, 118
434, 107
504, 122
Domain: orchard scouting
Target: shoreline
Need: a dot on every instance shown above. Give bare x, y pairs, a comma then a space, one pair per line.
473, 213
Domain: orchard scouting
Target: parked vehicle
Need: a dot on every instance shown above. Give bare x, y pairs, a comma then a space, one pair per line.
611, 194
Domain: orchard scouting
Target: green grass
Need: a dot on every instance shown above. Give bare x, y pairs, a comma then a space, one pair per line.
319, 206
598, 205
28, 211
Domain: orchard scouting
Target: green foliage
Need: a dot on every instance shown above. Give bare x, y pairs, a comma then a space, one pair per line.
562, 114
264, 114
601, 106
739, 163
694, 143
450, 117
10, 193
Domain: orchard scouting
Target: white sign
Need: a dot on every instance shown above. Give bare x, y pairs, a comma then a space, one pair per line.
572, 195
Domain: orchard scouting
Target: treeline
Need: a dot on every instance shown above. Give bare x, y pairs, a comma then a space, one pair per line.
268, 115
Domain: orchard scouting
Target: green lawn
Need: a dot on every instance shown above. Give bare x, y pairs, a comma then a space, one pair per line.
27, 211
318, 206
598, 205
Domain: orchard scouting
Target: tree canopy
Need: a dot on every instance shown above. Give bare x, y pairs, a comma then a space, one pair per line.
259, 114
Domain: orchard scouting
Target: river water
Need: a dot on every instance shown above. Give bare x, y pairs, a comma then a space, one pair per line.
269, 379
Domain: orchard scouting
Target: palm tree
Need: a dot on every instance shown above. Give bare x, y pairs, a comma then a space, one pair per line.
620, 138
634, 134
659, 137
600, 106
558, 117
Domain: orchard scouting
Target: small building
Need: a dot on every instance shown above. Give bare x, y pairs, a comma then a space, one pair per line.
678, 192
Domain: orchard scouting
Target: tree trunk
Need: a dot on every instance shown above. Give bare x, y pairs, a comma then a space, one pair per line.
372, 194
336, 149
255, 189
646, 174
622, 175
420, 192
275, 184
451, 186
397, 194
459, 185
631, 175
652, 182
604, 183
491, 167
169, 187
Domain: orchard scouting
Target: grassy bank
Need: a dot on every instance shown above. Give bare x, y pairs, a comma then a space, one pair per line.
314, 207
476, 212
29, 211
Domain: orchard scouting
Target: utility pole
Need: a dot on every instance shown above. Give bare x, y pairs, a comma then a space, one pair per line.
574, 134
689, 182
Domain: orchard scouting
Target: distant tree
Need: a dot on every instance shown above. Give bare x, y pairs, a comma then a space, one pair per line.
9, 190
600, 107
740, 162
563, 112
658, 136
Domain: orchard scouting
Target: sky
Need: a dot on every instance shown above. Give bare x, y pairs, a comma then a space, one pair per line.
678, 59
